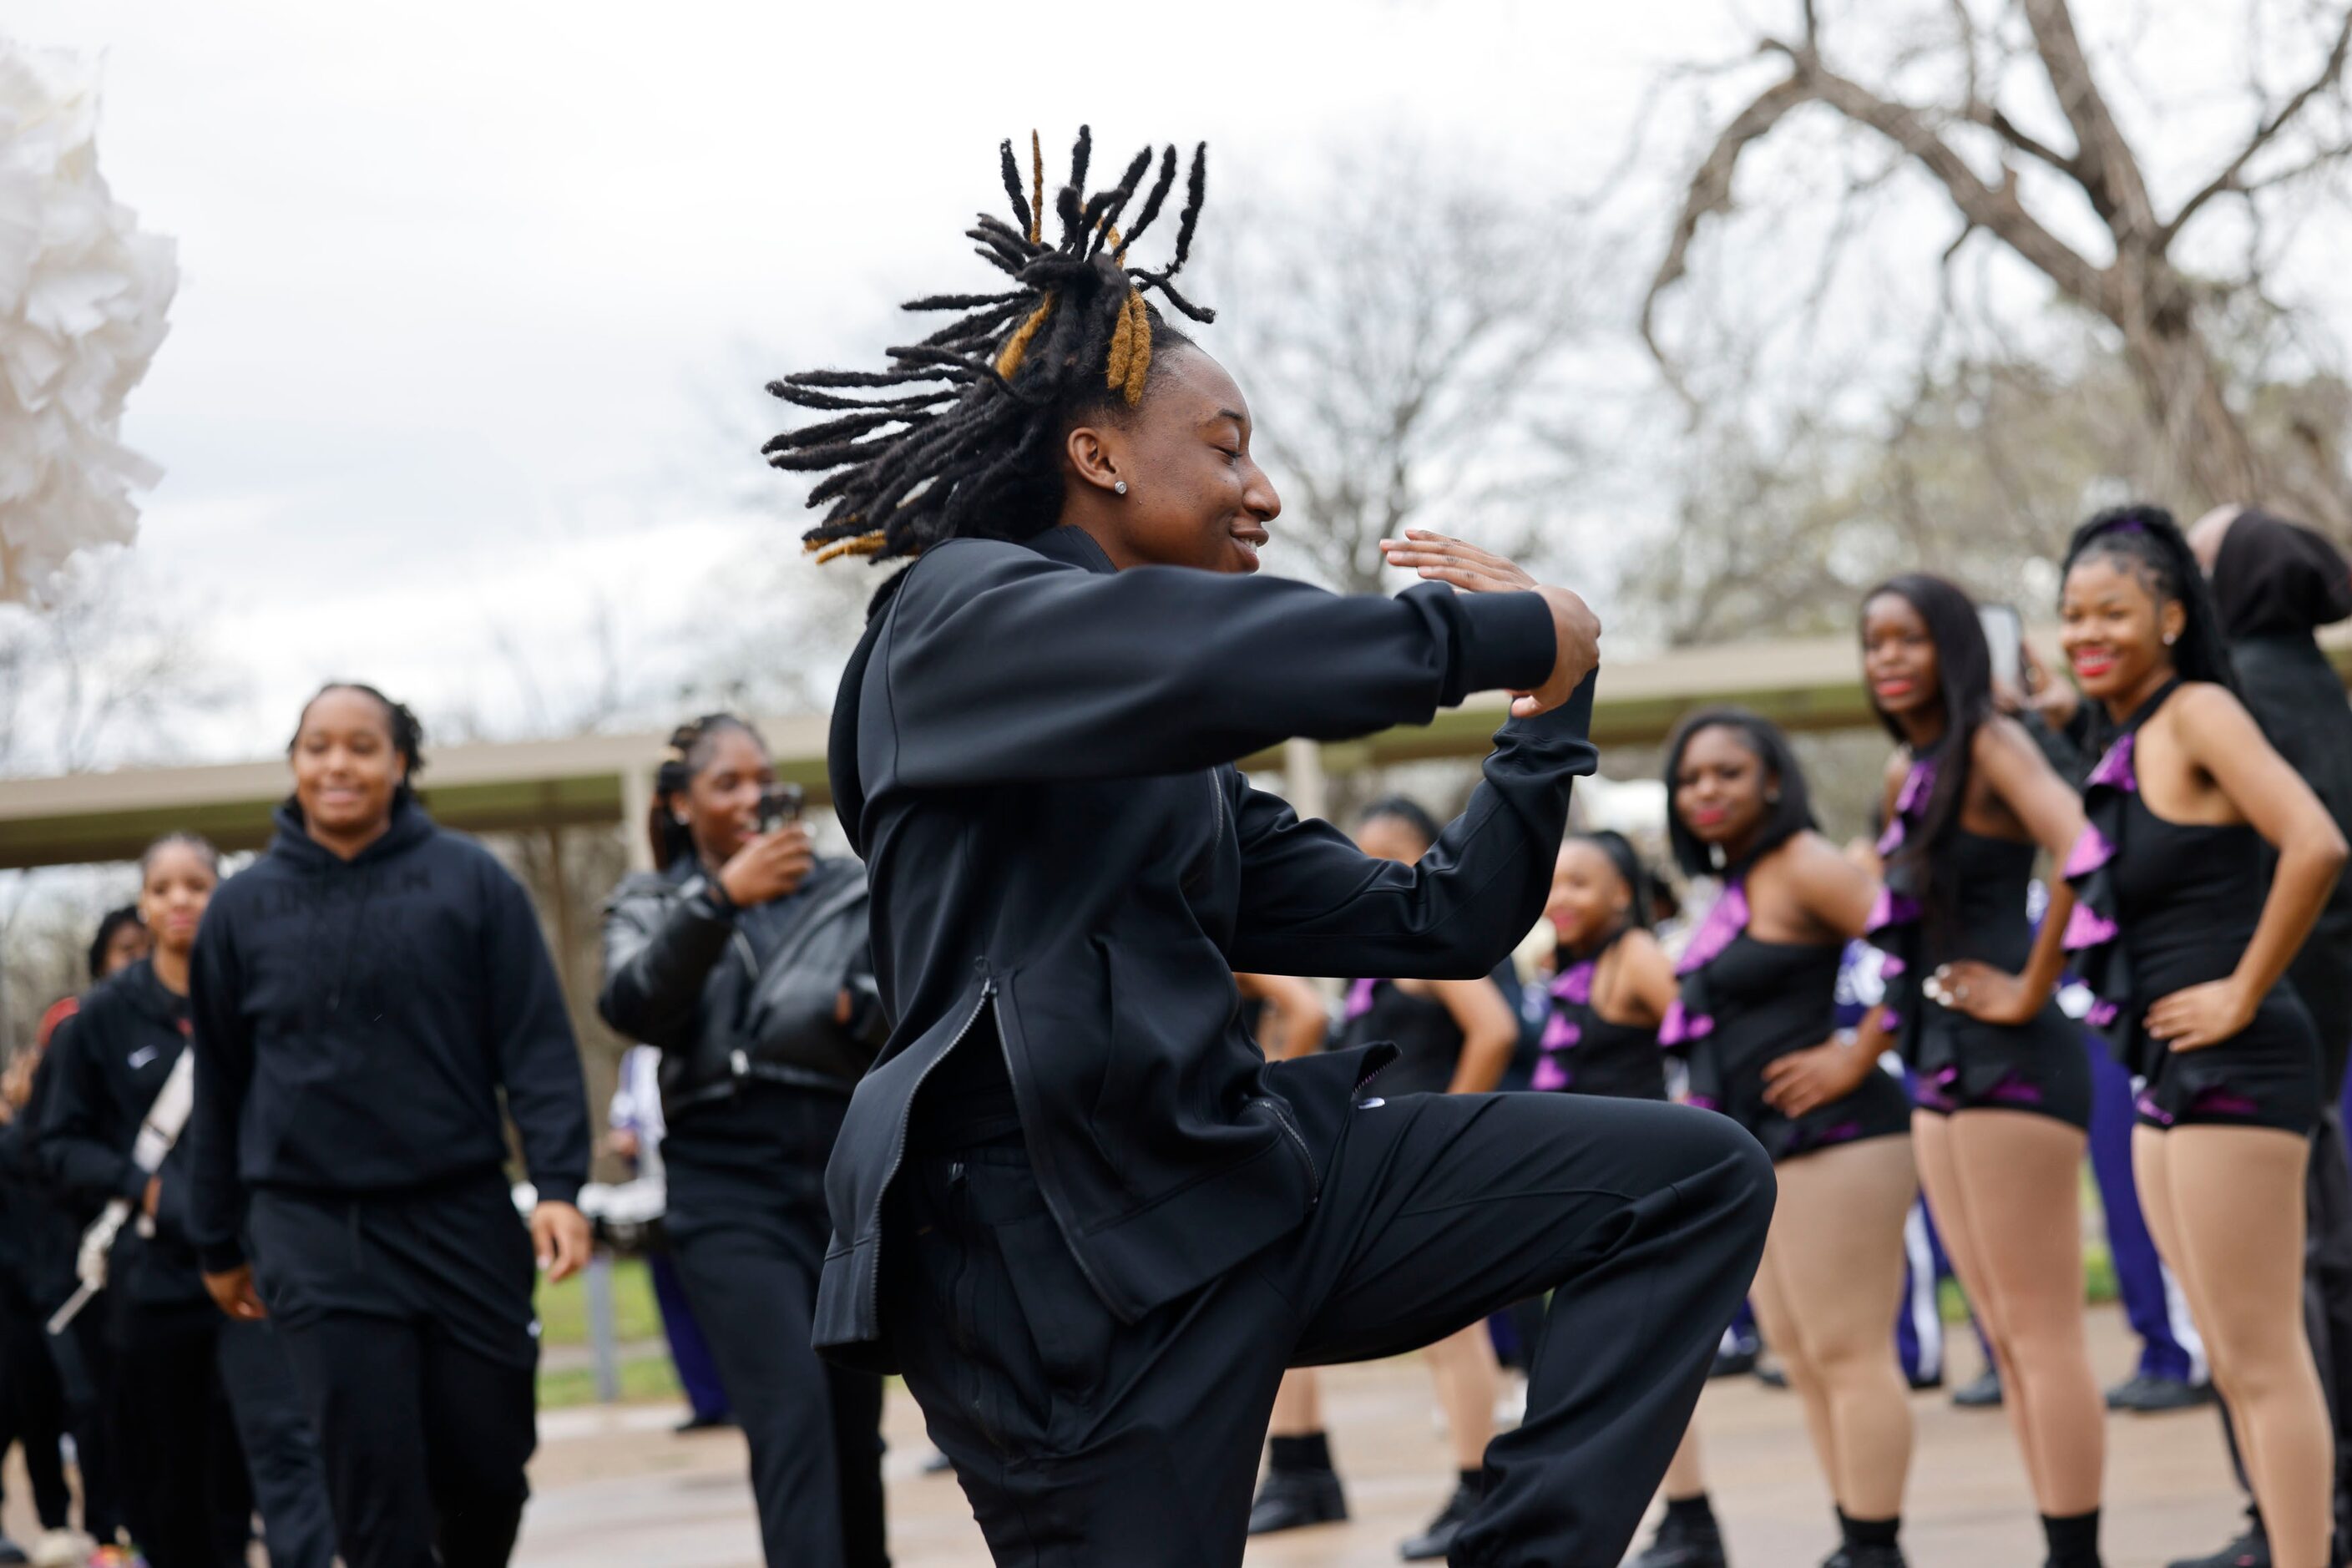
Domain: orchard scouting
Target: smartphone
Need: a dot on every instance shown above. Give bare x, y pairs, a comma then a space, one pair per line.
2005, 636
780, 804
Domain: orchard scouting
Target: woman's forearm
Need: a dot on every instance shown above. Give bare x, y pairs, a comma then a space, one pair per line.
2306, 874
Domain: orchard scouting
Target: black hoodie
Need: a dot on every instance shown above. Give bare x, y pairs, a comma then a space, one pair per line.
2274, 584
1033, 754
106, 1072
356, 1021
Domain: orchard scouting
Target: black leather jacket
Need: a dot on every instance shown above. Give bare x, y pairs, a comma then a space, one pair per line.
680, 975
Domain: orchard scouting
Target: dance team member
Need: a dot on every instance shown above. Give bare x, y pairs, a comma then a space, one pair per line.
2178, 938
365, 995
199, 1404
1755, 1020
2274, 584
1611, 983
2002, 1088
744, 958
1071, 1200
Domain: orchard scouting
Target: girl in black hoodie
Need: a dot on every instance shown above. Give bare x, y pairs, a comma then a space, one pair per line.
191, 1394
361, 995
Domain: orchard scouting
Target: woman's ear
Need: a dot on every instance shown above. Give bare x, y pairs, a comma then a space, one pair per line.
2172, 620
1095, 454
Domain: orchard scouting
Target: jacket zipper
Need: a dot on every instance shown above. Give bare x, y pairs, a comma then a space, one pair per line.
898, 1151
1045, 1187
1282, 1120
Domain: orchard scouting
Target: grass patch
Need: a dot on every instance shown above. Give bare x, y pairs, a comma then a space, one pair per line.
563, 1309
642, 1378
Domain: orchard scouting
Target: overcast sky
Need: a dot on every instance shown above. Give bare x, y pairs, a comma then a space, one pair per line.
461, 279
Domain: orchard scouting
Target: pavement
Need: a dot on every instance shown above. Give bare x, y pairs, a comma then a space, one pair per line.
614, 1486
615, 1489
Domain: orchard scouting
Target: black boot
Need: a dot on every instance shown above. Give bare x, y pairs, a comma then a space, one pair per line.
1688, 1537
1452, 1520
1868, 1544
1290, 1499
2251, 1549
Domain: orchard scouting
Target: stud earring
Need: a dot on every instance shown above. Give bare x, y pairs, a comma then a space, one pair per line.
1119, 488
2171, 637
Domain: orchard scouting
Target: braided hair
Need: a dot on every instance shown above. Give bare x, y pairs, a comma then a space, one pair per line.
961, 435
2144, 542
687, 754
407, 733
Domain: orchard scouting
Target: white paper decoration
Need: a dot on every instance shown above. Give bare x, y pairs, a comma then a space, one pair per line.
83, 295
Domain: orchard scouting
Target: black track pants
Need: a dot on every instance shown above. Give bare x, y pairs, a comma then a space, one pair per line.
749, 1254
407, 1322
32, 1409
1081, 1441
281, 1454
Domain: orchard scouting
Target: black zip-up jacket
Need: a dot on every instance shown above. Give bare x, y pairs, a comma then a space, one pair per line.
2297, 701
42, 1224
1032, 753
729, 1013
105, 1070
356, 1021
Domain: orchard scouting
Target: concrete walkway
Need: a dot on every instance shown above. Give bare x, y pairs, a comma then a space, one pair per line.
615, 1487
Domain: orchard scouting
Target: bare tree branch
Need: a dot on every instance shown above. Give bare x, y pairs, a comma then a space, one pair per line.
2227, 179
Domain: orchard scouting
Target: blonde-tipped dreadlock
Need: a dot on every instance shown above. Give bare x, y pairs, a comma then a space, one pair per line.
960, 435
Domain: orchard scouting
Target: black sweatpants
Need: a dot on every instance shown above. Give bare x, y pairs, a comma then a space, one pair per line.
281, 1453
184, 1492
407, 1322
33, 1407
748, 1251
84, 1356
1080, 1440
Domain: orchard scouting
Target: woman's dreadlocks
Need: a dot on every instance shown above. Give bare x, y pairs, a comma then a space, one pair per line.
962, 435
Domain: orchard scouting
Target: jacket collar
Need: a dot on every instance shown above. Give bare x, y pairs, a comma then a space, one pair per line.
1072, 546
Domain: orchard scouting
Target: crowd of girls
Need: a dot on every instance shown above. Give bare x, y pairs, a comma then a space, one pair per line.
2192, 864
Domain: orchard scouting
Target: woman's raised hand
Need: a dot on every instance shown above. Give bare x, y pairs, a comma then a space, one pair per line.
1576, 629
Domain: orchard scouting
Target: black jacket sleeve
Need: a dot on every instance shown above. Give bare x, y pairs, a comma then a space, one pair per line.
1313, 903
224, 1048
530, 1035
79, 1127
1002, 666
659, 953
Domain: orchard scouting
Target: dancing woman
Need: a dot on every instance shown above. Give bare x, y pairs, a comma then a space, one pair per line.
1072, 1201
1755, 1020
2186, 951
2005, 1091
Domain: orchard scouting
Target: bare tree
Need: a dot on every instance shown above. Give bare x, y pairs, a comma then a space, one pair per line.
108, 671
2001, 109
1401, 353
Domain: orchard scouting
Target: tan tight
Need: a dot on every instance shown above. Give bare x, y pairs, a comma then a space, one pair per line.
2225, 1205
2005, 1189
1826, 1297
1297, 1404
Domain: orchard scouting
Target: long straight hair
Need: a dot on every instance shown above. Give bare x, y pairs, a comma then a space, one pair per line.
1964, 687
